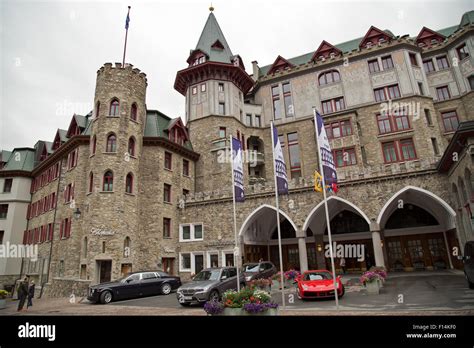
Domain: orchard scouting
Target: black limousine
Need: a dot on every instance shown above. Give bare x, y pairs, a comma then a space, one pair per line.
133, 285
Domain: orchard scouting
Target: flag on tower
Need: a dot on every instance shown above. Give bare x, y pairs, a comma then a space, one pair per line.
127, 20
280, 166
238, 170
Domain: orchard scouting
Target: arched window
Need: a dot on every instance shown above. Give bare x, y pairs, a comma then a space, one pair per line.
108, 181
126, 247
134, 112
111, 143
114, 108
129, 183
456, 195
84, 248
131, 146
97, 109
93, 145
328, 77
91, 182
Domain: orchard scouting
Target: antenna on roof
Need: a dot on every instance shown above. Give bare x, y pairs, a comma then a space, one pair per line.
211, 8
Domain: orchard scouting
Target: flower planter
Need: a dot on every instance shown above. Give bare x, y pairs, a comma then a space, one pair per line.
240, 311
372, 288
3, 303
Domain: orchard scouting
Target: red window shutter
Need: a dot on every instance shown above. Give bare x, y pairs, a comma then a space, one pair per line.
28, 212
72, 191
25, 237
50, 237
54, 200
66, 189
69, 228
61, 230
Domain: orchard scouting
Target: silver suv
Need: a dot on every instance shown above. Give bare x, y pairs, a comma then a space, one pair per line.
208, 285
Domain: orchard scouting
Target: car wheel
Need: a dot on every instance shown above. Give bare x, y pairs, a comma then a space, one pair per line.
471, 284
214, 296
165, 289
106, 297
342, 292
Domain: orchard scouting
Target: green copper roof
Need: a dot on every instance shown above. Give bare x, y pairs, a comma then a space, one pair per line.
81, 121
63, 135
348, 46
157, 124
467, 18
210, 34
21, 159
5, 155
345, 47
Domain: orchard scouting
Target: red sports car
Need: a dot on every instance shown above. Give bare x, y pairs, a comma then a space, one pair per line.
318, 284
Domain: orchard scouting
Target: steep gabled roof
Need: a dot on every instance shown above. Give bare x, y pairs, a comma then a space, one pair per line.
426, 34
212, 33
280, 64
158, 124
372, 34
325, 49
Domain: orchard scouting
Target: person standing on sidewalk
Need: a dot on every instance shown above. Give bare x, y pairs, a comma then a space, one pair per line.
22, 293
31, 294
342, 263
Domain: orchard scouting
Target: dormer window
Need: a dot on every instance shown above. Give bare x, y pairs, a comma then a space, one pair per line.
217, 46
368, 45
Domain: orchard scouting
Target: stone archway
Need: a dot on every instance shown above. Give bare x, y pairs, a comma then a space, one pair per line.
419, 230
350, 227
258, 236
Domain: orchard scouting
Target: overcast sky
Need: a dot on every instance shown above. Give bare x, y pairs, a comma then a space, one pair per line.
51, 50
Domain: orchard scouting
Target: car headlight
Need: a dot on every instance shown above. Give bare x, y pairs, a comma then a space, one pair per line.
305, 287
248, 278
198, 290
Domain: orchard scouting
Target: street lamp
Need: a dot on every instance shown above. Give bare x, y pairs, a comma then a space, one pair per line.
77, 213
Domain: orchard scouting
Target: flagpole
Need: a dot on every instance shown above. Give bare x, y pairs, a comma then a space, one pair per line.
282, 281
236, 257
126, 35
323, 182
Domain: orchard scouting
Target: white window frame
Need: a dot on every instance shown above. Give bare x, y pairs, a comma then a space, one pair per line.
181, 269
208, 258
192, 255
192, 232
223, 254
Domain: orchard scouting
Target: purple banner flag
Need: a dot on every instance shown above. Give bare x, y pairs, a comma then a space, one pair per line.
280, 166
329, 169
238, 170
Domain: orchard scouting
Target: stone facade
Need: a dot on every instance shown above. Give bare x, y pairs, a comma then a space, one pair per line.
119, 231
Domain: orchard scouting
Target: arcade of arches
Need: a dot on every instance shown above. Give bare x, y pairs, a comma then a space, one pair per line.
415, 230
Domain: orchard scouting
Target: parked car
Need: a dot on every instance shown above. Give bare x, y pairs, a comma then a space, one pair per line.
208, 285
468, 260
318, 284
258, 270
134, 285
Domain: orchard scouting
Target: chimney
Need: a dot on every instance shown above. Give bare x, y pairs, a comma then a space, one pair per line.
255, 70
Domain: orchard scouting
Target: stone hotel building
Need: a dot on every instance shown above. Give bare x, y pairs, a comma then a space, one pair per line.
127, 188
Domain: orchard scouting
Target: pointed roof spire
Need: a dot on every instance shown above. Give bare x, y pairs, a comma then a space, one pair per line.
212, 41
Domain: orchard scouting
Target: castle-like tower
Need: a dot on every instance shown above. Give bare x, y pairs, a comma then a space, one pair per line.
116, 133
214, 84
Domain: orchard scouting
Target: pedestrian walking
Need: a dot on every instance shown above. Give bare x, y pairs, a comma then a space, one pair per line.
342, 263
31, 294
22, 293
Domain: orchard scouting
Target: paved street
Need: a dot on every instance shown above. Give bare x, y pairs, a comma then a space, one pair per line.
419, 293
